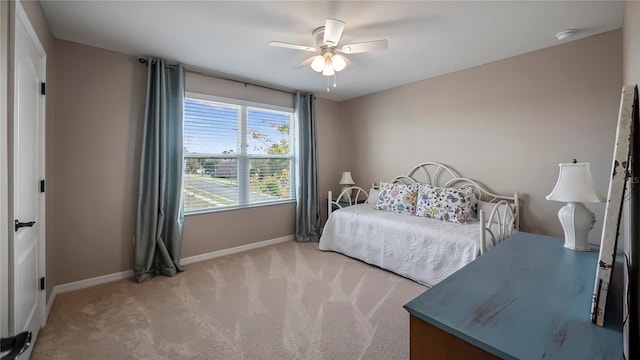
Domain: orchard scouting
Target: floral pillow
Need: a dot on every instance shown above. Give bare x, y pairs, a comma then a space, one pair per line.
450, 204
400, 198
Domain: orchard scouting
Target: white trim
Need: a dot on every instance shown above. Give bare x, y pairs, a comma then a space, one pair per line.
20, 18
234, 250
243, 157
237, 207
220, 99
4, 159
82, 284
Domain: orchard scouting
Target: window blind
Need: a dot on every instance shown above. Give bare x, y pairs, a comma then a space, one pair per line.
236, 154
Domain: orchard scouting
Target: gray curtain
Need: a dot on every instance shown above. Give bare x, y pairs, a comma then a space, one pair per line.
307, 205
158, 239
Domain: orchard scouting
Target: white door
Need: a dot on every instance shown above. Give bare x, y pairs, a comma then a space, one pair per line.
27, 299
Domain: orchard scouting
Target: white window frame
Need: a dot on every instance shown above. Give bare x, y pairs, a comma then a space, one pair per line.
243, 159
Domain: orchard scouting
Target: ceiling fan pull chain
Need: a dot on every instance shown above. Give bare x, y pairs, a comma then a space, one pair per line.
334, 79
328, 90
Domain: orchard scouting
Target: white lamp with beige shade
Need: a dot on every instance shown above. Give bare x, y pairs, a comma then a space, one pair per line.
575, 186
347, 181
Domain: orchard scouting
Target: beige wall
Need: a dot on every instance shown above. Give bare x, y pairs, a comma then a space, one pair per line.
41, 26
335, 146
199, 83
532, 112
507, 123
631, 43
100, 107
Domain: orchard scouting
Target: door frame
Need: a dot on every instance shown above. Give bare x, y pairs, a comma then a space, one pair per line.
17, 14
4, 158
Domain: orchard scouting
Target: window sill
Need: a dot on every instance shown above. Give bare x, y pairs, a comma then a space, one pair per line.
239, 207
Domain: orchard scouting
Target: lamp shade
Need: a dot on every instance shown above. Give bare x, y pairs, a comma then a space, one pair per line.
328, 67
338, 62
318, 63
346, 179
575, 184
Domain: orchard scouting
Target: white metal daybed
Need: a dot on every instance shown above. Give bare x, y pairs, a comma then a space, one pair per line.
422, 249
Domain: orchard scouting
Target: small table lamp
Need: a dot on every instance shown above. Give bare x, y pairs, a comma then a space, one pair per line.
347, 181
575, 186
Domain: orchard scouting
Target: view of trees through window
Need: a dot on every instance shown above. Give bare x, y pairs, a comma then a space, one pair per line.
236, 155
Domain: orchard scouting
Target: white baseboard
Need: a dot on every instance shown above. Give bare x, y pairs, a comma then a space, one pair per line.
234, 250
82, 284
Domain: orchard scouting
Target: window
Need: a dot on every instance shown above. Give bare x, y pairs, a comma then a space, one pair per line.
236, 153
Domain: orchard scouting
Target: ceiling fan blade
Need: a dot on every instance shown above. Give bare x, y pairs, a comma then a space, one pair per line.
305, 63
292, 46
333, 31
366, 46
350, 64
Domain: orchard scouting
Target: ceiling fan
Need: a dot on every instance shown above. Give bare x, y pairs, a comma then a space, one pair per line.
330, 60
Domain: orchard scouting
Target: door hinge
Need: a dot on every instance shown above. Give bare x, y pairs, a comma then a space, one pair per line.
42, 283
41, 186
43, 89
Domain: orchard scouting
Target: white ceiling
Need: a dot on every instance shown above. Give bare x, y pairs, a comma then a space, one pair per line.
231, 38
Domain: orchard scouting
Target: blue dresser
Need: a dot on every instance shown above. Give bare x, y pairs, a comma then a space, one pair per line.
528, 298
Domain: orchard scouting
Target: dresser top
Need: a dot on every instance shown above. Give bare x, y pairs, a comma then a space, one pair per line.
528, 298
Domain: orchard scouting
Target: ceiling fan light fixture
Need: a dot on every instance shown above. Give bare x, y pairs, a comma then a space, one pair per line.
332, 59
338, 62
328, 67
318, 63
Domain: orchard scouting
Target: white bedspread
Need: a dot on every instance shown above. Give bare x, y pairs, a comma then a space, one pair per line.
422, 249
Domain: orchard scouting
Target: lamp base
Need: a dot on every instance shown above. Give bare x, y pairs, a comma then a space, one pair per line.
576, 221
346, 191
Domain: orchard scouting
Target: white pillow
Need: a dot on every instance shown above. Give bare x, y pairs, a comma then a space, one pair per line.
374, 194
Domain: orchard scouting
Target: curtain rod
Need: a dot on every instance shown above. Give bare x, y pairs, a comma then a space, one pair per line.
246, 83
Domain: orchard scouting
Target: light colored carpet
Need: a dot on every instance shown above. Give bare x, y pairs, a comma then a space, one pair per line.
286, 301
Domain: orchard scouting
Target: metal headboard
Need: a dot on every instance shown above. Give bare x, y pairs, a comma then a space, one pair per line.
505, 215
432, 173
